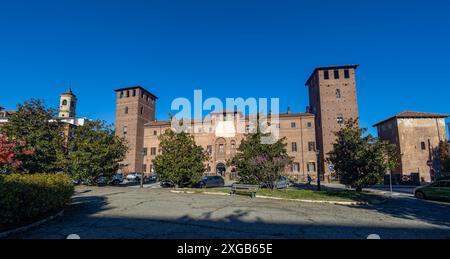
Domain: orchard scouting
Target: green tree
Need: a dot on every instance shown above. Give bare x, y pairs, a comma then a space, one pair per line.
93, 149
181, 160
37, 139
443, 155
258, 163
360, 161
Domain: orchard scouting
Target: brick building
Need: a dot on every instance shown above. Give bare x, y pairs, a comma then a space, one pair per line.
135, 107
416, 135
332, 99
221, 139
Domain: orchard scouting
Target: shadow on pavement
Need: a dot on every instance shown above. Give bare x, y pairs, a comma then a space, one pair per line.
85, 218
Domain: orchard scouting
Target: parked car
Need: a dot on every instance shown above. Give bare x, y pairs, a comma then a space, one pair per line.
439, 190
282, 183
134, 177
210, 181
116, 179
154, 178
166, 184
113, 180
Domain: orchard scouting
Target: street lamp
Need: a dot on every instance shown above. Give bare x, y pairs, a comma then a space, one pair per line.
143, 153
318, 171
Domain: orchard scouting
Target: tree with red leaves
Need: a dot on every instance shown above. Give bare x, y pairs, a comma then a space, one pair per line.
7, 154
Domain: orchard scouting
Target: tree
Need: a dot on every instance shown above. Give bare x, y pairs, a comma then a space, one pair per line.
443, 155
360, 161
258, 163
8, 160
93, 149
181, 160
30, 129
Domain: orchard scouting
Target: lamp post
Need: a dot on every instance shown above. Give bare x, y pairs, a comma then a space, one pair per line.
143, 153
318, 171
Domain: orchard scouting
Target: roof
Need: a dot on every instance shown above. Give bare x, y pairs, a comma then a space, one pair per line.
281, 115
136, 87
354, 66
69, 92
412, 115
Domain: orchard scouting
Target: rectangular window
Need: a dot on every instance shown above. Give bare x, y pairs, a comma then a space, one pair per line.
311, 146
121, 94
221, 148
142, 94
144, 168
155, 133
336, 74
423, 146
128, 93
126, 110
347, 73
340, 119
295, 167
153, 151
294, 146
311, 167
209, 149
125, 130
134, 92
144, 151
326, 75
338, 93
293, 125
309, 125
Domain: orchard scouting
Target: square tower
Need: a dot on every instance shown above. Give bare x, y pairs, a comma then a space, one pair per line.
333, 100
135, 107
67, 104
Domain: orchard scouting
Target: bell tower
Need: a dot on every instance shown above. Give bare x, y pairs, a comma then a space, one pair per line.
67, 104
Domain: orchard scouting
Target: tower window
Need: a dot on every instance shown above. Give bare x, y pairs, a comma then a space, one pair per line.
336, 74
155, 133
347, 73
338, 93
125, 130
126, 110
134, 92
121, 94
64, 102
128, 93
221, 148
326, 75
423, 146
293, 125
142, 110
309, 124
340, 119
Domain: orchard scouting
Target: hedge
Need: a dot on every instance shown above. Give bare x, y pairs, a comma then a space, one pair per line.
28, 197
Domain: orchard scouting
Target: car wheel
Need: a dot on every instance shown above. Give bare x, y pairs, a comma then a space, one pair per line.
420, 195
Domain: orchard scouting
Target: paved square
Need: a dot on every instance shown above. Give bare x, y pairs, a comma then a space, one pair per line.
125, 212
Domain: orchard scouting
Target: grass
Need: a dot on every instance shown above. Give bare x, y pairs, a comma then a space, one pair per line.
302, 194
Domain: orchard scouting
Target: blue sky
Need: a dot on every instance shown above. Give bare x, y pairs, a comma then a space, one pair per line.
229, 48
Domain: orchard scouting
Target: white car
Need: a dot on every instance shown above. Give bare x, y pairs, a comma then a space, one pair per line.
132, 177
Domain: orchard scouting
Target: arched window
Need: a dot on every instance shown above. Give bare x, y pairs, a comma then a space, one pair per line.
64, 102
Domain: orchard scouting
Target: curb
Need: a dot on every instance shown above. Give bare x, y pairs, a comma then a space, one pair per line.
32, 225
284, 199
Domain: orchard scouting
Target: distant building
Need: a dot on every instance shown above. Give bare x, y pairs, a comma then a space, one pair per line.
67, 104
4, 115
333, 100
416, 136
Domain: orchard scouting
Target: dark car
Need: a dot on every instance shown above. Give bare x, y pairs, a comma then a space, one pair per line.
166, 184
211, 181
439, 190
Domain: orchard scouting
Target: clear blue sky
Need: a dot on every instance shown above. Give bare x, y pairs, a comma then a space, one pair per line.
227, 48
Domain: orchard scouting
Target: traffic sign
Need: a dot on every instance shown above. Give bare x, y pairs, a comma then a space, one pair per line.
331, 168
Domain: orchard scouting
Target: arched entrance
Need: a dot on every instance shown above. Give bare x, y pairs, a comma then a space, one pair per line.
221, 169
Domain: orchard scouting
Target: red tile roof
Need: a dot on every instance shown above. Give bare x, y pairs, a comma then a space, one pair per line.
412, 114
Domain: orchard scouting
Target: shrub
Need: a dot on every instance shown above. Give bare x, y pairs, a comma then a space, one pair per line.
27, 197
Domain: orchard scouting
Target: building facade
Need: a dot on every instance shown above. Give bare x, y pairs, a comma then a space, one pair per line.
4, 115
221, 139
135, 107
416, 136
333, 100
